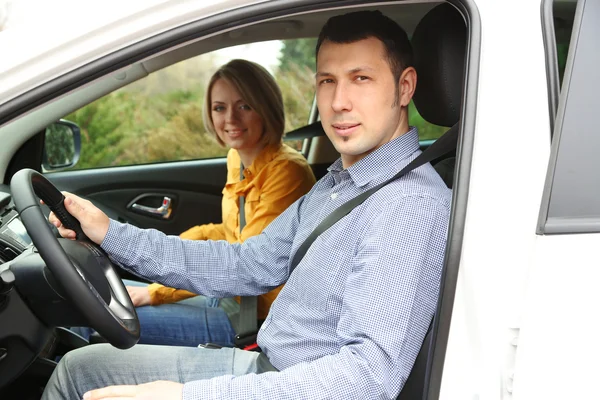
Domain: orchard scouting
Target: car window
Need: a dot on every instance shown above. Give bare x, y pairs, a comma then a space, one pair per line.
557, 23
563, 16
159, 117
295, 77
427, 130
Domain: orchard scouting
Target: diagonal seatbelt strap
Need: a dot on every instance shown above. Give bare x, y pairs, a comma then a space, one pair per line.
445, 144
248, 315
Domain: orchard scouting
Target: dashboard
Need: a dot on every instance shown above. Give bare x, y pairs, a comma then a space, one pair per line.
13, 235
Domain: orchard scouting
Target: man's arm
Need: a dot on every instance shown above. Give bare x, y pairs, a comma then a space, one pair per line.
395, 284
156, 294
213, 268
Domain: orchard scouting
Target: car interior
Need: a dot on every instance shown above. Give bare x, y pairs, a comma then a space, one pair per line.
34, 307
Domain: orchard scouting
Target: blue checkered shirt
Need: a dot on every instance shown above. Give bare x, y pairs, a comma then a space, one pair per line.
351, 319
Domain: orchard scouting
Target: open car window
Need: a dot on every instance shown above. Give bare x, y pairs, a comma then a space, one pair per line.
159, 117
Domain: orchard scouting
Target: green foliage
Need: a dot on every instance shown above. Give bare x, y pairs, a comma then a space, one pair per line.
427, 131
295, 77
562, 30
129, 127
158, 118
298, 88
298, 53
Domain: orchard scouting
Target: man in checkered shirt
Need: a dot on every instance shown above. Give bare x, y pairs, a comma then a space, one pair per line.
353, 314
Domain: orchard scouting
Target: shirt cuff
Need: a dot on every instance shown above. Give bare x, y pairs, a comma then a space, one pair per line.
117, 240
110, 237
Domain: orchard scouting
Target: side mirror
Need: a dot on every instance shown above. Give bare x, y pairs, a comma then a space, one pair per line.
62, 144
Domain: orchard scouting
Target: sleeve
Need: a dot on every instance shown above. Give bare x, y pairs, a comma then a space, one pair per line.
394, 283
160, 294
286, 182
212, 268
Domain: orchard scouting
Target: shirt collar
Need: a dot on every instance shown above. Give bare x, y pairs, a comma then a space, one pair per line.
264, 157
378, 162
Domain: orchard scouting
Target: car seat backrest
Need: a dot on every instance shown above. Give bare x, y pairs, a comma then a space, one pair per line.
439, 46
445, 168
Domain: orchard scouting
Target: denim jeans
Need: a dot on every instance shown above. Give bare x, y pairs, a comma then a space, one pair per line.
189, 322
101, 365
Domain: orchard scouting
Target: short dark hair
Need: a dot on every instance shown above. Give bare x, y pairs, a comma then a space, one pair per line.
359, 25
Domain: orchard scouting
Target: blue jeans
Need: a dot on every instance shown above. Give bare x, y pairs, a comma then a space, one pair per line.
101, 365
189, 322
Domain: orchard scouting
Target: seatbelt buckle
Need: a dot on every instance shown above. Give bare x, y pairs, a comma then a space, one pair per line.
242, 340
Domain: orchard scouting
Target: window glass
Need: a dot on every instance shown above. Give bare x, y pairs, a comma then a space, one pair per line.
557, 23
159, 117
296, 78
563, 16
427, 131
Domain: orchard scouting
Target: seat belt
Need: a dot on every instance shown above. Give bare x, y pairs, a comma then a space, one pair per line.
445, 144
248, 315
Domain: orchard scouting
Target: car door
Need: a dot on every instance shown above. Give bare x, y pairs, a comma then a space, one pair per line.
562, 297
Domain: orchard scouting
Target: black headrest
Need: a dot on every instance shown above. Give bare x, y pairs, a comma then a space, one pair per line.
439, 44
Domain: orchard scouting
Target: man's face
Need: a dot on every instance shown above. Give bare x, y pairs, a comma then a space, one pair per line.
356, 92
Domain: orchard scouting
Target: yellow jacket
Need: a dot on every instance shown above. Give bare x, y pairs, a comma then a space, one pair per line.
277, 177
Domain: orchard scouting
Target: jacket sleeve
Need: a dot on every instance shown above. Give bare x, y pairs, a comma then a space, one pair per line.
160, 294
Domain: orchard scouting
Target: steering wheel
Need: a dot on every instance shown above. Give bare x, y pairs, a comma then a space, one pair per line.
83, 270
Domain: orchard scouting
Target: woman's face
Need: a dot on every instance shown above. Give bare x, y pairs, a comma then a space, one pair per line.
237, 125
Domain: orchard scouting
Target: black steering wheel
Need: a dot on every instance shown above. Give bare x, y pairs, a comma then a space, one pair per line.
83, 270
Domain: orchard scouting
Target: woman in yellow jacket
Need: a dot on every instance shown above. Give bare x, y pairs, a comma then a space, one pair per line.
244, 110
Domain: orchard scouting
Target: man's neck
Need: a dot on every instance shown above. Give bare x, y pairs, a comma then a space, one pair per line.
349, 159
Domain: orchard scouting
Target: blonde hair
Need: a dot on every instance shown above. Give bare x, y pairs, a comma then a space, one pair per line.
258, 89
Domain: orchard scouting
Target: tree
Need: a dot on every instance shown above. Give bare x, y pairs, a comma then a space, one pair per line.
298, 52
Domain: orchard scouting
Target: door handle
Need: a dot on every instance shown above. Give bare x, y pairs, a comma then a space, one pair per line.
164, 211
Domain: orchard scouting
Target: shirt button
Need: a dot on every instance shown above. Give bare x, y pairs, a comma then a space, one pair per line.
334, 196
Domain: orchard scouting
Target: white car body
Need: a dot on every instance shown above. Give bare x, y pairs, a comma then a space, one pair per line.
525, 305
35, 60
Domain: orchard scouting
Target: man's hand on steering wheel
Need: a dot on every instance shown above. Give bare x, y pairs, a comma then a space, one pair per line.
94, 222
80, 267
